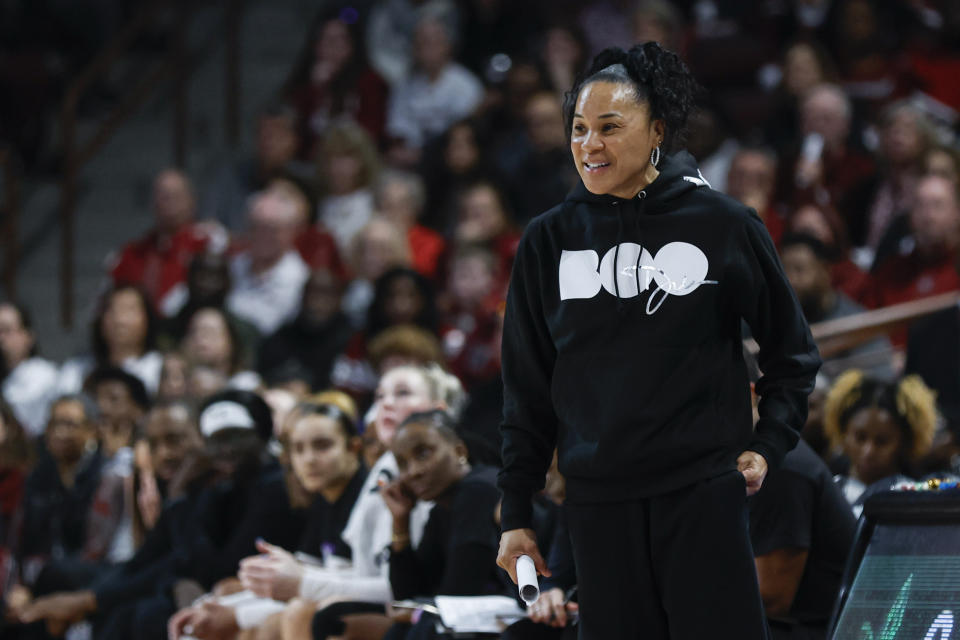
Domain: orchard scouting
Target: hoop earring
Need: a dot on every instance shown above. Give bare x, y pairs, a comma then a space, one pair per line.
655, 156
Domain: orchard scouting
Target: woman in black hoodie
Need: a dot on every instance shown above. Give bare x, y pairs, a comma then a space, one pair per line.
622, 347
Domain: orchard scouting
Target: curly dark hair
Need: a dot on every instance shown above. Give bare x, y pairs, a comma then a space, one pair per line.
660, 77
377, 319
909, 401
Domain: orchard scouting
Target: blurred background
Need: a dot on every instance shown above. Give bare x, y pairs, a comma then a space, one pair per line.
290, 196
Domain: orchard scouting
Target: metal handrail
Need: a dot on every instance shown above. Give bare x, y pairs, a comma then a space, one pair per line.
10, 217
175, 63
836, 336
833, 337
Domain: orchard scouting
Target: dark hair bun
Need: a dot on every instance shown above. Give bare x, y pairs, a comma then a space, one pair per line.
661, 78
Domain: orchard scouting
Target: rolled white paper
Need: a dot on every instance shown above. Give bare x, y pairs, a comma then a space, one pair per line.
527, 580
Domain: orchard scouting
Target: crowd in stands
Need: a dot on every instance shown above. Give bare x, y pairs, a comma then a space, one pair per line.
286, 416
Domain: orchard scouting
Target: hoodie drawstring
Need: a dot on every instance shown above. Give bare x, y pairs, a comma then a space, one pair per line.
636, 223
642, 196
616, 258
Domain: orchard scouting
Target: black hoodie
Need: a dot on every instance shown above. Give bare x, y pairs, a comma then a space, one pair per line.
640, 379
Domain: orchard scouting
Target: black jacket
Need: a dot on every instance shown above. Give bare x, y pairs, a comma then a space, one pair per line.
55, 517
326, 521
458, 551
639, 379
204, 536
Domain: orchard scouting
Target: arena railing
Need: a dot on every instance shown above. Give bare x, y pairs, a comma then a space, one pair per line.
834, 337
176, 64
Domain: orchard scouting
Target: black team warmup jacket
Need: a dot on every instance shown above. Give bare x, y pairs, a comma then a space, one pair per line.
622, 344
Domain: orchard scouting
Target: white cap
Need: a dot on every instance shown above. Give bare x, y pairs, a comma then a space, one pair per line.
225, 415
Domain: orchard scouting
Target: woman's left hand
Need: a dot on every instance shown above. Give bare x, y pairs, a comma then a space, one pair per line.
275, 573
754, 469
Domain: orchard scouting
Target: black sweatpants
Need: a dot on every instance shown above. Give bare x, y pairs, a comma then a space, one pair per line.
673, 567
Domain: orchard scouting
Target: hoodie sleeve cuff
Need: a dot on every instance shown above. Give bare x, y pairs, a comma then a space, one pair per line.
107, 598
516, 511
773, 440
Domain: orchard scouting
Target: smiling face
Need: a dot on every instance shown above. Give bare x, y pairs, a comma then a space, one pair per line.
611, 139
171, 434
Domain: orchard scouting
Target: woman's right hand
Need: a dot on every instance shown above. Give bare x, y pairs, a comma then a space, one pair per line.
516, 543
400, 500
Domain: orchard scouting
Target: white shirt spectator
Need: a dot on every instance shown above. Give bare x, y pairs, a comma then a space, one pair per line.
270, 298
390, 30
29, 389
421, 109
344, 216
74, 372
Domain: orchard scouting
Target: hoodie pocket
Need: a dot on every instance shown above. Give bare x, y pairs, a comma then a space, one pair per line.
641, 404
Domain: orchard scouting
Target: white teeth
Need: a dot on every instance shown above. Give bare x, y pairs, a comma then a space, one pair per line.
596, 166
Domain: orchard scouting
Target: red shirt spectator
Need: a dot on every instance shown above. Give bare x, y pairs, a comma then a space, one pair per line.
319, 104
826, 170
400, 197
483, 220
470, 330
505, 246
751, 180
332, 80
930, 268
426, 250
847, 277
824, 223
774, 223
904, 278
158, 261
319, 250
938, 74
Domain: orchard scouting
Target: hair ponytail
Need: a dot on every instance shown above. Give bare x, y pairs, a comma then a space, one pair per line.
660, 77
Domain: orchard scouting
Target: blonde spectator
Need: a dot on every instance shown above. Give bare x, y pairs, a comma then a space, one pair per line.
348, 166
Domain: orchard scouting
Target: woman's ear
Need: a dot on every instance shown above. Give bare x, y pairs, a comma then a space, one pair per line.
461, 451
660, 127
